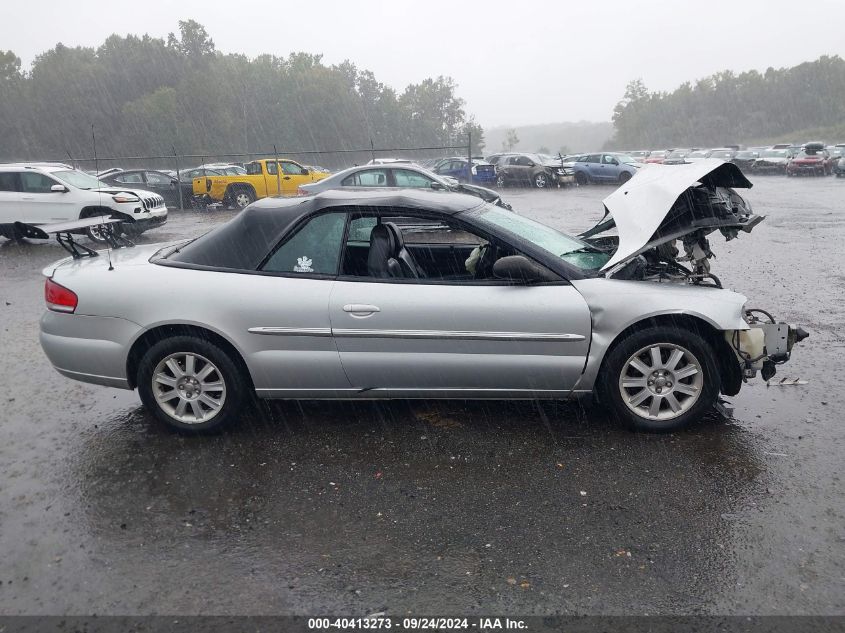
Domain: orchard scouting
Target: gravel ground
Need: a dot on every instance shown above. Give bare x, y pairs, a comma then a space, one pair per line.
440, 507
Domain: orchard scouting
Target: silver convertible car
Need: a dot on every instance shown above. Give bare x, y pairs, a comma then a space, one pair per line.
403, 293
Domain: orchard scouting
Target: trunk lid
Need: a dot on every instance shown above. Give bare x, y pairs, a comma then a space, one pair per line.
120, 257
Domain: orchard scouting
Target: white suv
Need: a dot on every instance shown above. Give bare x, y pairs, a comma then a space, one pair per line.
44, 193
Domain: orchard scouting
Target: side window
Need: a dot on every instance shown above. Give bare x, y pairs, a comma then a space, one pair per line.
408, 178
313, 249
33, 182
292, 169
592, 158
127, 178
360, 229
157, 179
8, 181
609, 160
421, 250
253, 169
272, 168
366, 178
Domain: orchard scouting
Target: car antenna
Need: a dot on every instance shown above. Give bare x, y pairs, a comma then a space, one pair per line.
99, 192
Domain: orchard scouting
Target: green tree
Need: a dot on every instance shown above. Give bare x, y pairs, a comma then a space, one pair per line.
194, 41
511, 140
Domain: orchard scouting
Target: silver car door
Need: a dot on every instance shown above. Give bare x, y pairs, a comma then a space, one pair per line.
458, 336
284, 314
415, 337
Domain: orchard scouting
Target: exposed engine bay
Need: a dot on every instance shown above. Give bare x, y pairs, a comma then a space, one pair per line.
679, 250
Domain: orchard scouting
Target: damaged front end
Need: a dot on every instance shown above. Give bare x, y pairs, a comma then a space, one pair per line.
663, 218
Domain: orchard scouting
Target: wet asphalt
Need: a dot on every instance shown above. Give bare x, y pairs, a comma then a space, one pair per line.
445, 508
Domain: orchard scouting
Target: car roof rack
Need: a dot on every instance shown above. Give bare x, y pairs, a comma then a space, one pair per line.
64, 232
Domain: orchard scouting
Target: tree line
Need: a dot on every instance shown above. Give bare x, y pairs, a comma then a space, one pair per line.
734, 108
151, 96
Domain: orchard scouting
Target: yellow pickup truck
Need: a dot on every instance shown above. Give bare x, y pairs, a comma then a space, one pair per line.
265, 177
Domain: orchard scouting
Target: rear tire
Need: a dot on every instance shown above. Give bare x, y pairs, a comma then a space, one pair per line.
581, 178
241, 197
191, 385
624, 177
660, 379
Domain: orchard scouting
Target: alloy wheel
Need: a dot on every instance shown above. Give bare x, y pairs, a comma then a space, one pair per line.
242, 199
661, 381
189, 387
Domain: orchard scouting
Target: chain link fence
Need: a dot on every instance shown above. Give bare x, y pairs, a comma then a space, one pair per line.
183, 168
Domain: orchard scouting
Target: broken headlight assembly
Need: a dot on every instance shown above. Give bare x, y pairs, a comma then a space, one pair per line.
766, 344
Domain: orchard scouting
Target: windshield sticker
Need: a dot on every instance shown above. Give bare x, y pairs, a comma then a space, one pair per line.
303, 265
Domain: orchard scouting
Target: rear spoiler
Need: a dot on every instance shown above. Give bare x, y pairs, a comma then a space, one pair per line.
64, 234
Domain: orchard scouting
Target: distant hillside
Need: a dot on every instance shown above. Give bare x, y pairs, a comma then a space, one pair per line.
805, 102
583, 136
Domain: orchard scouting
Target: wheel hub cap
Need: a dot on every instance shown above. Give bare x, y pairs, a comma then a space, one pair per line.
189, 387
661, 381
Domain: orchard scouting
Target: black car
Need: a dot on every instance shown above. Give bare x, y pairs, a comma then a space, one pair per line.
745, 158
150, 180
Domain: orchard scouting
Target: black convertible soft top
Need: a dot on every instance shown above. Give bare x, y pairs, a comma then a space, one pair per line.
243, 242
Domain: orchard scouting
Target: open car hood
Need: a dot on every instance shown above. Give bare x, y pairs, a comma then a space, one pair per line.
663, 203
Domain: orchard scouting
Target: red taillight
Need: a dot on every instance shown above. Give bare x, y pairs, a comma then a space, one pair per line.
59, 298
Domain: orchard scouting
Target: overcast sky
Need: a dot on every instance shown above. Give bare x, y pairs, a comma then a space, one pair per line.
515, 62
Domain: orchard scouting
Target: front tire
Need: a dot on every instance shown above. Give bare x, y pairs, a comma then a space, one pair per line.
660, 379
624, 177
191, 385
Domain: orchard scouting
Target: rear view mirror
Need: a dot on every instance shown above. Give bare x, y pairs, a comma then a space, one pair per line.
520, 269
59, 188
437, 186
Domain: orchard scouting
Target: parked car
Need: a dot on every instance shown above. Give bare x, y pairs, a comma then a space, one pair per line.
605, 167
639, 155
771, 161
839, 167
226, 169
677, 157
531, 170
657, 156
480, 173
744, 159
388, 161
264, 177
726, 154
49, 193
159, 182
812, 160
423, 294
696, 155
399, 175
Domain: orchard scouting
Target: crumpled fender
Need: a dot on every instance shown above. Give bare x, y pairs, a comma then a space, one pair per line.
615, 305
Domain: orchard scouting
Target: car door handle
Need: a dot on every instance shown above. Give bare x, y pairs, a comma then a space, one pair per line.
361, 309
286, 178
